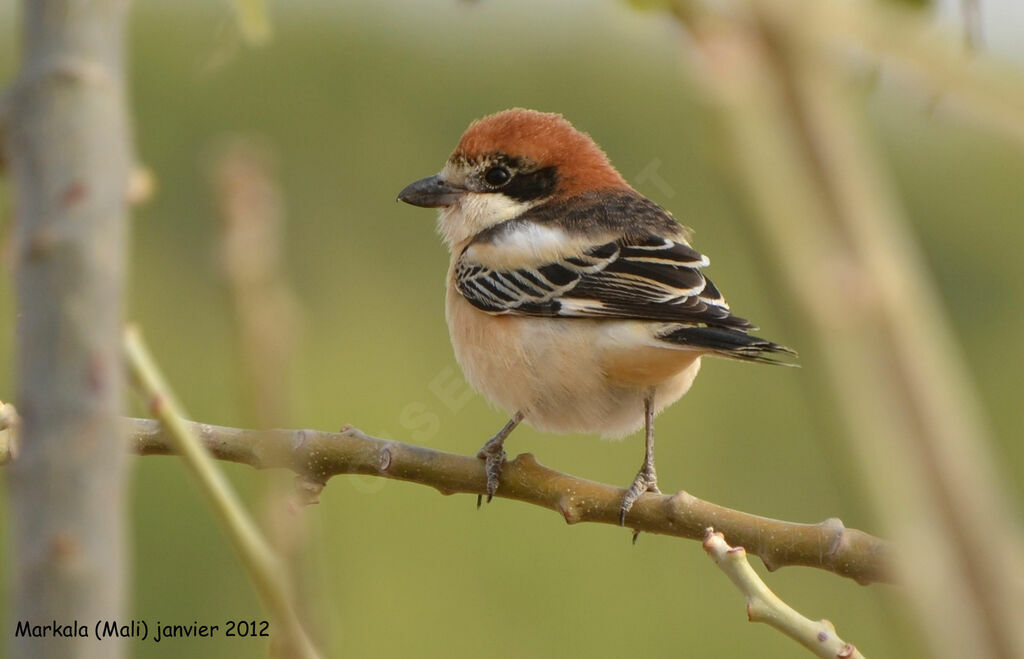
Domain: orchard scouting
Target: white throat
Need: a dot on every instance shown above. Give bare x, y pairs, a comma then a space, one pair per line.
474, 212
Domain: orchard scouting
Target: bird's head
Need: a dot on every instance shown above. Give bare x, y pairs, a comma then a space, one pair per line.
506, 164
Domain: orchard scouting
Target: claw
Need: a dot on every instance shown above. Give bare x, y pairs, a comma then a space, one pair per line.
493, 455
646, 481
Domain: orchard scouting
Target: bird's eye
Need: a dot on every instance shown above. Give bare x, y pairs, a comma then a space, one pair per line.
497, 176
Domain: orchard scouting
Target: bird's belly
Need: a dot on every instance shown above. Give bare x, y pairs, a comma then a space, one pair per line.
565, 375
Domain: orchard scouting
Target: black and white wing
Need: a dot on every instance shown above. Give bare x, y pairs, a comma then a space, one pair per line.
648, 277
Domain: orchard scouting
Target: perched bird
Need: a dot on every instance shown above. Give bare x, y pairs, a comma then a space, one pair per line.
573, 302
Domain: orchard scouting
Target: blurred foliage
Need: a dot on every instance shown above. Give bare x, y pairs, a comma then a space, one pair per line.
358, 100
920, 4
253, 20
648, 5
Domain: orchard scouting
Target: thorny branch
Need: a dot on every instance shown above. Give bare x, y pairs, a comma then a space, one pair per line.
316, 456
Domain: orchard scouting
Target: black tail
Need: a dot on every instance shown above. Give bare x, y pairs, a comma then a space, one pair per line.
731, 343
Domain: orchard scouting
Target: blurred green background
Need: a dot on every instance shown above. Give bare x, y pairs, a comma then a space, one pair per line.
360, 98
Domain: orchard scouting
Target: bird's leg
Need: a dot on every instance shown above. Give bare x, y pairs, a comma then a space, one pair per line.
493, 454
646, 479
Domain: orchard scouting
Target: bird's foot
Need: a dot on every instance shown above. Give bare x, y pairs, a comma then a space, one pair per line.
646, 481
493, 455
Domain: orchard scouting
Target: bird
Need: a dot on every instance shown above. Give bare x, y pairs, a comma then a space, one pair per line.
573, 302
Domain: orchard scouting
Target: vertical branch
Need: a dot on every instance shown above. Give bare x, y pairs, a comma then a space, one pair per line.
252, 255
68, 152
251, 206
258, 559
802, 155
944, 454
970, 14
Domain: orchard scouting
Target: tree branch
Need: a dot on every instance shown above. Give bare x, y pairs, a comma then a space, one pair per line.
765, 606
259, 560
316, 456
68, 150
804, 158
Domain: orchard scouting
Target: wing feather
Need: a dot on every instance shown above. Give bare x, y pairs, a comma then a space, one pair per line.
643, 269
653, 279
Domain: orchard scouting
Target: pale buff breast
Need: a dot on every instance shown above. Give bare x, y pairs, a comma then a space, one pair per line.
566, 375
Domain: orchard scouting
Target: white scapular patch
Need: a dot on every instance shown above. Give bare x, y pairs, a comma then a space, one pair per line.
534, 243
523, 246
